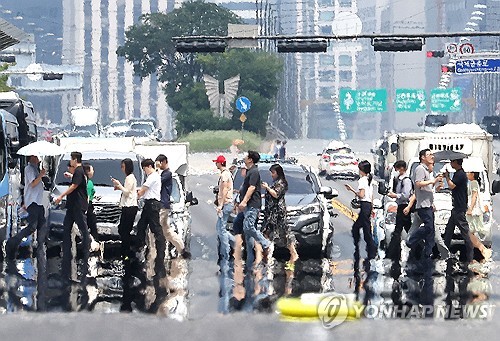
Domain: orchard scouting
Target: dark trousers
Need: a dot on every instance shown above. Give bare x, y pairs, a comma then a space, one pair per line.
425, 233
36, 222
150, 217
127, 219
457, 218
92, 222
402, 221
363, 222
75, 215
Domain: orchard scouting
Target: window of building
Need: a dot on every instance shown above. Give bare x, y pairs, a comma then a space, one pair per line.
327, 76
326, 30
326, 91
326, 60
325, 3
345, 3
345, 60
326, 15
345, 76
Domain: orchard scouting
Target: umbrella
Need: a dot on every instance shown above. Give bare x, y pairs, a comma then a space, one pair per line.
41, 148
448, 155
237, 142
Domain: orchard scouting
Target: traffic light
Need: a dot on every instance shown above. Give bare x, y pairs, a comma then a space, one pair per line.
397, 44
302, 45
52, 76
447, 68
201, 46
435, 54
7, 59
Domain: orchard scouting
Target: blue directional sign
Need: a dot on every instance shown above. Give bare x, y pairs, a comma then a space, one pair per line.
243, 104
477, 65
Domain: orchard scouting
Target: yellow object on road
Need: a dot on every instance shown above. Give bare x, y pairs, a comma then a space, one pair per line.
345, 210
331, 306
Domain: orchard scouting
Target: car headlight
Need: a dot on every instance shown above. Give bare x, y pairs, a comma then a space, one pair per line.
309, 229
309, 209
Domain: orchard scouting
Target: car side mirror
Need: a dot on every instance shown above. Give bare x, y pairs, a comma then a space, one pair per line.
394, 147
420, 124
190, 199
495, 187
383, 189
328, 192
47, 183
12, 163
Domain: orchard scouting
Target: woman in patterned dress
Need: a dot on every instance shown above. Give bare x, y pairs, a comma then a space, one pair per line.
275, 223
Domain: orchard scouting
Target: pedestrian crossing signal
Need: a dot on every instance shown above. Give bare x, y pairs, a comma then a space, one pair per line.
435, 54
447, 68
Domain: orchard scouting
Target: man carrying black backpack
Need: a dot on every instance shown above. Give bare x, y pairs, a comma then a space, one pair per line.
402, 190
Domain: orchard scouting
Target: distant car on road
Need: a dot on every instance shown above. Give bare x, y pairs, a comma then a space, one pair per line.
117, 128
148, 125
337, 161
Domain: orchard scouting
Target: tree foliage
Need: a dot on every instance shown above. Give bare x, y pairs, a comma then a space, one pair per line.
150, 48
3, 79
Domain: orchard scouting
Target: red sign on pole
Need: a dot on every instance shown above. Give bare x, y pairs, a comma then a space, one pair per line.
466, 48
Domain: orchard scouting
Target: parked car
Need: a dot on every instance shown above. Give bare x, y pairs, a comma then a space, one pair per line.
309, 210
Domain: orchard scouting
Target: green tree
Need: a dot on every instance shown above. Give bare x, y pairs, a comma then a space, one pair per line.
4, 78
150, 48
259, 81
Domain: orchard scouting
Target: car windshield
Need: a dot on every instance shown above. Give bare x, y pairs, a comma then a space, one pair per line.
118, 124
436, 120
343, 157
439, 168
104, 169
92, 129
80, 133
142, 126
339, 151
490, 119
136, 133
298, 182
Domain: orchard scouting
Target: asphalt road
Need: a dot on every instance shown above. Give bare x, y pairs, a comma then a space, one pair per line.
204, 320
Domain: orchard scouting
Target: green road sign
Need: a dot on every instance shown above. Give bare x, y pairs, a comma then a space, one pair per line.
411, 100
370, 100
446, 100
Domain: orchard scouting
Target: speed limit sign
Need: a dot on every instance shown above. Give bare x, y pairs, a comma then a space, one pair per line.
451, 48
466, 48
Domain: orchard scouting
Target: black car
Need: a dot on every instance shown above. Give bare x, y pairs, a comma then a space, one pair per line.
492, 125
309, 210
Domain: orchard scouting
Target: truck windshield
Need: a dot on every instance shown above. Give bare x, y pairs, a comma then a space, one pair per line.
436, 120
439, 168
